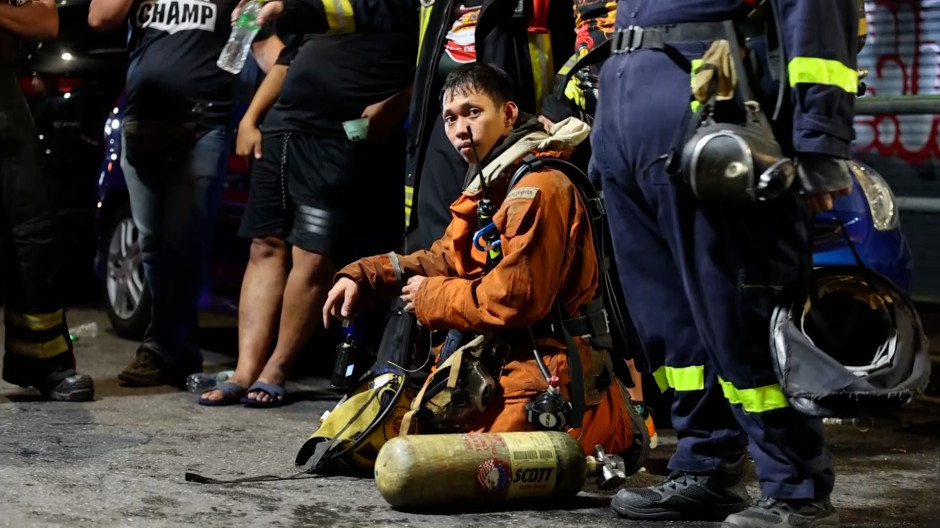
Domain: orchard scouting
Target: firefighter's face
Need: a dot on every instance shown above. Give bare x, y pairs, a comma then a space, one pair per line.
487, 120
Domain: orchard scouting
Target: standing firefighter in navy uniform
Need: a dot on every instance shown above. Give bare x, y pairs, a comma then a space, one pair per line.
702, 277
38, 351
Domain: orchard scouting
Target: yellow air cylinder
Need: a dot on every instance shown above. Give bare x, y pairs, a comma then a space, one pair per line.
464, 469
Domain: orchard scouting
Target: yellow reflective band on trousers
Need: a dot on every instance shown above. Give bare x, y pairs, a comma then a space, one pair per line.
680, 378
33, 322
339, 16
540, 54
424, 17
761, 399
51, 348
806, 70
695, 64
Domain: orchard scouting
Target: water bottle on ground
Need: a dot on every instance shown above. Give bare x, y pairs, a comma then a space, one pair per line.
203, 381
239, 42
84, 330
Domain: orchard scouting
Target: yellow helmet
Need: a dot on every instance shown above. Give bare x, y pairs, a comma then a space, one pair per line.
358, 426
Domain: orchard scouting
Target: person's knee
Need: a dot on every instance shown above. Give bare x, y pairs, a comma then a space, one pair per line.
317, 267
267, 248
147, 240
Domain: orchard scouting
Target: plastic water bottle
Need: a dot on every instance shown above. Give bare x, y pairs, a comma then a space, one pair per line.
84, 330
203, 381
239, 42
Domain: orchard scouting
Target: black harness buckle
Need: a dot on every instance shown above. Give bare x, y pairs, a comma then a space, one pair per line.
626, 40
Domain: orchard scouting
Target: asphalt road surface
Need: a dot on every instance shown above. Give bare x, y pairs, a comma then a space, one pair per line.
120, 461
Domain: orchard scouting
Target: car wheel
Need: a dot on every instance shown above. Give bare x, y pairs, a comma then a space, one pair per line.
127, 298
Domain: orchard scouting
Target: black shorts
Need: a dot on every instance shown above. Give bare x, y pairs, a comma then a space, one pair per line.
327, 195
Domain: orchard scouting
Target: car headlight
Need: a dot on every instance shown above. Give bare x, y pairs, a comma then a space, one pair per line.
881, 202
112, 124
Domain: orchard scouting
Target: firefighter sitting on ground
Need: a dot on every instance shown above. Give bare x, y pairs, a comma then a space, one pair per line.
548, 260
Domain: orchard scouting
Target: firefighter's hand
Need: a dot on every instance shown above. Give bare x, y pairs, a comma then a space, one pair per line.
823, 179
270, 11
547, 123
248, 142
823, 202
341, 300
410, 292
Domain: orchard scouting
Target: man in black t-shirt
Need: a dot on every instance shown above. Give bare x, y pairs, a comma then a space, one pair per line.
38, 350
174, 157
332, 197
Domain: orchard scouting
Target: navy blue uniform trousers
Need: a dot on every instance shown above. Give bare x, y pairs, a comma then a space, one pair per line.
701, 281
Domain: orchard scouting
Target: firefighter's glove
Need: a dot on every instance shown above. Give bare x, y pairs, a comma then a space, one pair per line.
575, 94
715, 75
823, 178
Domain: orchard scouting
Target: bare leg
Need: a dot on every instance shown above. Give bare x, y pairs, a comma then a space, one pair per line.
307, 286
258, 307
636, 393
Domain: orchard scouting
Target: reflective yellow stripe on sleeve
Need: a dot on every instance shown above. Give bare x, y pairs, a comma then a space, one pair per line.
339, 16
409, 201
758, 400
813, 70
424, 17
695, 64
680, 378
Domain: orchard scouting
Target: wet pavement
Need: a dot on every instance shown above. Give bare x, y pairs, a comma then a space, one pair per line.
120, 461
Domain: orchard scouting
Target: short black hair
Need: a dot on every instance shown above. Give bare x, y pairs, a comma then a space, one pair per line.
478, 77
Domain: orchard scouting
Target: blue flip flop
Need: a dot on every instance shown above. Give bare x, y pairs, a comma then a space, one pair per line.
277, 393
231, 394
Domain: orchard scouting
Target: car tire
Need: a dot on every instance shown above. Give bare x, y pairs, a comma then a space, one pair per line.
125, 292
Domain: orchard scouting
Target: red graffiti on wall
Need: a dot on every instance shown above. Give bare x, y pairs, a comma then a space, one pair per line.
900, 48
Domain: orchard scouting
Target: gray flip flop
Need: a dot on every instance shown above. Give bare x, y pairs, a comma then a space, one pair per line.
232, 394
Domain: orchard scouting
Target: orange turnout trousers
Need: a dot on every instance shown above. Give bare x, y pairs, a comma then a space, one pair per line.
548, 256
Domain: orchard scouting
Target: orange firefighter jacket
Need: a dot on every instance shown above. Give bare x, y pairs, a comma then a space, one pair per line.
548, 254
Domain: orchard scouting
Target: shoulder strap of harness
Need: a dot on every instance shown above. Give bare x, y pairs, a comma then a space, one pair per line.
604, 314
603, 317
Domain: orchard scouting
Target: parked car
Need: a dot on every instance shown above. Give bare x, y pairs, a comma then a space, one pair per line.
870, 218
71, 84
